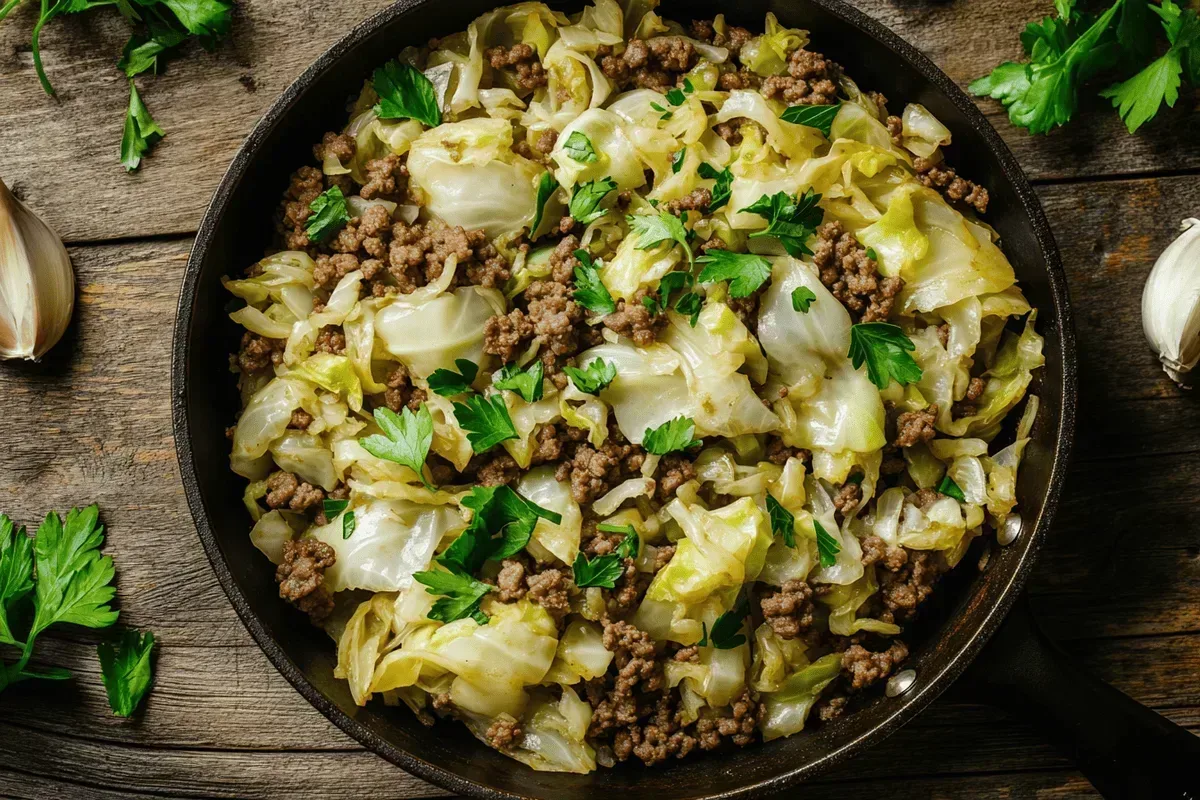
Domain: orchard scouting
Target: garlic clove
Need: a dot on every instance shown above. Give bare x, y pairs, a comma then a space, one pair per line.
37, 284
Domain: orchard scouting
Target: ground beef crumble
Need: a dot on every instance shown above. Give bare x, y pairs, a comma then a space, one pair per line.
789, 611
955, 189
301, 575
866, 667
503, 733
968, 406
657, 63
913, 427
853, 276
812, 80
594, 471
285, 490
528, 73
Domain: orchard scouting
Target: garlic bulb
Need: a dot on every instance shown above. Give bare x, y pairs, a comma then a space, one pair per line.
37, 285
1171, 304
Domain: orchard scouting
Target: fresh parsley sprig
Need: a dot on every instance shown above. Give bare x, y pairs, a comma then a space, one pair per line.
802, 298
603, 571
449, 383
783, 522
885, 349
653, 230
525, 382
501, 524
791, 220
723, 188
125, 669
585, 205
460, 595
590, 291
951, 489
827, 546
674, 435
405, 93
141, 131
579, 147
330, 213
593, 378
406, 438
744, 271
726, 631
819, 117
547, 186
486, 421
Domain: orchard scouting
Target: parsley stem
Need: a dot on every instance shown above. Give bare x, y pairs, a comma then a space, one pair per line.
7, 7
35, 45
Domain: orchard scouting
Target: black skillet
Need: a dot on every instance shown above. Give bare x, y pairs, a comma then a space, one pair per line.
1125, 749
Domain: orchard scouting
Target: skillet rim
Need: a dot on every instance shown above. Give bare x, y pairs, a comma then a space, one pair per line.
984, 620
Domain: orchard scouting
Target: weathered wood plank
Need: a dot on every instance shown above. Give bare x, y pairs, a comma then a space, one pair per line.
207, 103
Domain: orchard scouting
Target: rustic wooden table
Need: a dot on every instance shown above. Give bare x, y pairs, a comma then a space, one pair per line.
1119, 583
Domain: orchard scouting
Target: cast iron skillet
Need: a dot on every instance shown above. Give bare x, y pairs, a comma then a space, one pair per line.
1124, 748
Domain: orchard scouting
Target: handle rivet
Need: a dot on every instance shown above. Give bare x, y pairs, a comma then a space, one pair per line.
901, 682
1010, 529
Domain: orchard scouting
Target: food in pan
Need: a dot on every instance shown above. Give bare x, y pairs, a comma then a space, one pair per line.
623, 389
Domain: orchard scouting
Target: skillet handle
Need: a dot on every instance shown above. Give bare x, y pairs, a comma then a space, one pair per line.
1125, 749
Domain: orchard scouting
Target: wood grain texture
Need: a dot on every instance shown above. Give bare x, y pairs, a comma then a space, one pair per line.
1119, 581
63, 154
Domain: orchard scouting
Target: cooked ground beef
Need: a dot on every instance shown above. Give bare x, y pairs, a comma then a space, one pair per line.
865, 667
387, 178
789, 611
339, 145
306, 185
633, 320
905, 583
737, 726
331, 340
285, 490
812, 80
657, 64
852, 276
895, 127
503, 732
848, 497
916, 426
301, 574
498, 468
830, 707
400, 392
696, 200
674, 470
779, 453
877, 551
626, 595
955, 189
528, 73
511, 580
418, 254
259, 352
746, 308
301, 419
551, 589
563, 261
592, 472
969, 405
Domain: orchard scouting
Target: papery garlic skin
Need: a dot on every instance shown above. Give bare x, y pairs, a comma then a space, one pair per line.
37, 284
1171, 304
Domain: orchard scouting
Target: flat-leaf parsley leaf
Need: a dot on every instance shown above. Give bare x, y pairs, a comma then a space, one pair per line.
461, 595
585, 201
486, 421
594, 377
405, 93
525, 382
125, 670
791, 220
744, 271
819, 117
406, 438
330, 215
449, 383
590, 291
885, 350
802, 298
673, 435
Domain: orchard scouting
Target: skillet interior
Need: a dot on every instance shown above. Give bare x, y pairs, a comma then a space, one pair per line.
237, 227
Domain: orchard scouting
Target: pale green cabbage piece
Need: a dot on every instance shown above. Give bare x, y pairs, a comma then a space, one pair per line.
558, 540
649, 388
788, 707
270, 533
333, 373
266, 418
581, 654
616, 156
1007, 380
767, 54
553, 734
306, 456
430, 334
723, 399
392, 540
845, 601
799, 346
922, 133
718, 677
632, 268
472, 178
846, 413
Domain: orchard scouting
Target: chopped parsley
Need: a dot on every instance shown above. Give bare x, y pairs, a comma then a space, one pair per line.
590, 291
677, 160
141, 132
333, 507
783, 522
722, 191
525, 382
672, 436
501, 524
406, 438
125, 670
449, 383
827, 546
486, 421
330, 215
603, 571
744, 271
819, 117
579, 147
349, 523
726, 632
405, 93
791, 220
653, 230
585, 201
802, 298
664, 113
885, 350
460, 595
871, 254
951, 489
547, 186
689, 305
593, 378
630, 545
